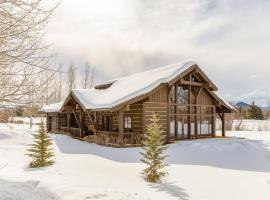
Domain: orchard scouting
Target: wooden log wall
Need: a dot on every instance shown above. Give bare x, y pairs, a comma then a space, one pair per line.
136, 113
62, 120
159, 108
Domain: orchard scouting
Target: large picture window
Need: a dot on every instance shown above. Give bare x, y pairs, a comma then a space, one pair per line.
182, 95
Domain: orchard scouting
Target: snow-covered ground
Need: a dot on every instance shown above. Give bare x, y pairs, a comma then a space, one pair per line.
251, 124
232, 168
25, 120
247, 125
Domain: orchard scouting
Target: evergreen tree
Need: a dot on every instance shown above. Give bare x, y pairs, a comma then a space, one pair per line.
153, 150
255, 112
40, 150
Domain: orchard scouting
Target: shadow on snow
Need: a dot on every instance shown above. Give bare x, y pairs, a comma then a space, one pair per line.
171, 189
229, 153
23, 191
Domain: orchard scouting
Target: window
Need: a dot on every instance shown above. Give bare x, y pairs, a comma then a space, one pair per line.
127, 122
182, 95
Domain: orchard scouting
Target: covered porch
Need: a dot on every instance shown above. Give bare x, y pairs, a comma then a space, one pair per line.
111, 128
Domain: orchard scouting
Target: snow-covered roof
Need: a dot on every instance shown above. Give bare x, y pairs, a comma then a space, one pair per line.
126, 88
222, 99
117, 91
55, 107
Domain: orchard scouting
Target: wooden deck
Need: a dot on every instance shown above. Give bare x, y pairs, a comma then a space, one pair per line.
107, 138
74, 132
118, 139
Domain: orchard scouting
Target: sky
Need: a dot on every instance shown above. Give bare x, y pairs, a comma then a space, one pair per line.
229, 39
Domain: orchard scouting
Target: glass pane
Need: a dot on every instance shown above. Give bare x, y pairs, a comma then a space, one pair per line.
192, 128
204, 126
182, 95
172, 126
180, 132
185, 127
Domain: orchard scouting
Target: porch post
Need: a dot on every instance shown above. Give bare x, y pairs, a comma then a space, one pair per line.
81, 123
168, 113
223, 124
214, 122
58, 122
68, 121
176, 111
196, 114
189, 108
121, 125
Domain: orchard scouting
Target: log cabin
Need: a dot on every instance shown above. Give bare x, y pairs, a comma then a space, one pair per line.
116, 112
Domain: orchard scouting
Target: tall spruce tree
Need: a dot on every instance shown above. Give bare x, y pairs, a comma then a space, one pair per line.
153, 150
255, 112
40, 150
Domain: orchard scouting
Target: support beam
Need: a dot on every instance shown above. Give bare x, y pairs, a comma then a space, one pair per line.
196, 117
223, 124
76, 118
183, 82
82, 123
68, 121
168, 113
121, 125
214, 122
176, 112
189, 108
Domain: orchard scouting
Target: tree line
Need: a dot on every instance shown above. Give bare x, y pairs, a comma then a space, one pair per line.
252, 112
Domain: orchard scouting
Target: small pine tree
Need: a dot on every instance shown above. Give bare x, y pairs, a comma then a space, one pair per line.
40, 150
153, 150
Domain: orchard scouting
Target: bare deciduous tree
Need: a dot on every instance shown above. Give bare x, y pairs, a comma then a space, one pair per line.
71, 76
22, 54
87, 77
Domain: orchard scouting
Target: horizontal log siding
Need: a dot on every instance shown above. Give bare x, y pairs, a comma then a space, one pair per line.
62, 120
158, 108
136, 113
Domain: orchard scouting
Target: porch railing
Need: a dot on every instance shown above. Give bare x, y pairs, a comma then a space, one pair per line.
118, 139
74, 132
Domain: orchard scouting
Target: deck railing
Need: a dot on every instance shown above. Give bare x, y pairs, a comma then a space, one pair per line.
107, 137
74, 132
118, 139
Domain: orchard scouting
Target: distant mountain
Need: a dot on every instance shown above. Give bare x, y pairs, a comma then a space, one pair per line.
245, 106
241, 104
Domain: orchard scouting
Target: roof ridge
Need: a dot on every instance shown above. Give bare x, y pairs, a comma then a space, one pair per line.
146, 71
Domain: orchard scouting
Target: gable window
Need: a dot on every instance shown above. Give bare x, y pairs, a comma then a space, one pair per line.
127, 122
182, 95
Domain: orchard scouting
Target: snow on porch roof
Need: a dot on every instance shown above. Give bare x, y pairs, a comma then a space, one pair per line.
126, 88
55, 107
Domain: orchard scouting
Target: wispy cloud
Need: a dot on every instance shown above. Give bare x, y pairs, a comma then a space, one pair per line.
228, 38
